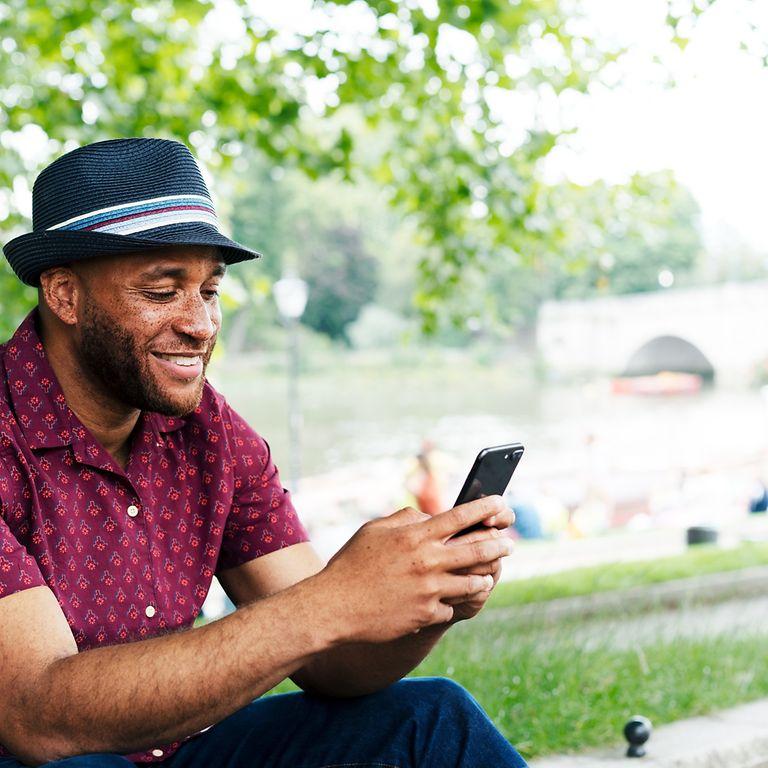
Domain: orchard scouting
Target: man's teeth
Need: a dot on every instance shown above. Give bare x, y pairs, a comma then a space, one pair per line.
187, 362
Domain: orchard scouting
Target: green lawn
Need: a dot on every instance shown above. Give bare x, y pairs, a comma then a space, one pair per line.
604, 578
562, 696
569, 686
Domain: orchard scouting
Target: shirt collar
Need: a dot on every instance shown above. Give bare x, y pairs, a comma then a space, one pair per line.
38, 401
166, 424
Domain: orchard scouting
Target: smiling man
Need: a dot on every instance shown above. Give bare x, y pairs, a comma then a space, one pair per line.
127, 482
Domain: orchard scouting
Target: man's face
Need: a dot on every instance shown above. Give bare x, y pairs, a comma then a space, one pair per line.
147, 325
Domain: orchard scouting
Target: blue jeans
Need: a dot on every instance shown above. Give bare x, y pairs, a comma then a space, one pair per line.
416, 723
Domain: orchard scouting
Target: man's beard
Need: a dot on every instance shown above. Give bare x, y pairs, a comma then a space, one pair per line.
109, 354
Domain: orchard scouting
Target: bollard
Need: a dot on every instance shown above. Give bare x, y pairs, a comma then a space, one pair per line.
701, 534
637, 731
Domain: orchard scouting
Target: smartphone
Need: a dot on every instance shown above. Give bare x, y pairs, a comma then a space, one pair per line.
490, 475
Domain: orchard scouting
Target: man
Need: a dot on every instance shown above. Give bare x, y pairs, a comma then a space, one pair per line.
127, 482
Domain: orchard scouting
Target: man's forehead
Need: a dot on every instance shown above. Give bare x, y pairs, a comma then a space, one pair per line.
166, 268
169, 263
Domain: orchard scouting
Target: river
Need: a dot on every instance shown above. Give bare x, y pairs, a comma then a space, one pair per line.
619, 459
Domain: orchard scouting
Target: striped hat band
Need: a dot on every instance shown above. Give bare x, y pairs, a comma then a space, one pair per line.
128, 218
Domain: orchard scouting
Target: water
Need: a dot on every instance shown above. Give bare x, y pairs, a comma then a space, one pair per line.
687, 457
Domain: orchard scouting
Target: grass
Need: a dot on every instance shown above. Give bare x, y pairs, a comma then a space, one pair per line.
561, 696
605, 578
565, 696
573, 685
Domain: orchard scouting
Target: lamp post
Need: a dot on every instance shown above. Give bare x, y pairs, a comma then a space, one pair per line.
291, 299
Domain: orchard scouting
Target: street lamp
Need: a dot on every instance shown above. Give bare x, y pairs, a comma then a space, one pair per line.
291, 299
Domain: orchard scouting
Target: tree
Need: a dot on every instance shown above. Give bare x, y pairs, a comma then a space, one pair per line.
606, 239
626, 236
342, 279
430, 80
324, 231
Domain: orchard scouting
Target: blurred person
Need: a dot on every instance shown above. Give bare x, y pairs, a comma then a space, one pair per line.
758, 500
592, 514
527, 523
423, 483
127, 482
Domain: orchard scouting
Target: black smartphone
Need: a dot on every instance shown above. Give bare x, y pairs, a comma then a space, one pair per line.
490, 475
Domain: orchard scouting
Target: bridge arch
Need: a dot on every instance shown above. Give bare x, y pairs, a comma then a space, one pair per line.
669, 353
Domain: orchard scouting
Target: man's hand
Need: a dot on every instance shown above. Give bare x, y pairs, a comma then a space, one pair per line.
469, 607
404, 572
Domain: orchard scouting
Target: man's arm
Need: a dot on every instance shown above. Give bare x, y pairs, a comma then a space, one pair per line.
354, 669
56, 702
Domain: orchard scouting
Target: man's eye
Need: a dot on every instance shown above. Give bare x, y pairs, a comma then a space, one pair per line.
159, 295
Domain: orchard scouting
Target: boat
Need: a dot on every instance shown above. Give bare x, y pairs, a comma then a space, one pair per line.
663, 383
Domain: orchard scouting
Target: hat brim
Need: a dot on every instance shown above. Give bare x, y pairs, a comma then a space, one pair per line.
31, 254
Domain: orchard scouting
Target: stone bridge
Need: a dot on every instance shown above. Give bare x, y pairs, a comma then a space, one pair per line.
715, 331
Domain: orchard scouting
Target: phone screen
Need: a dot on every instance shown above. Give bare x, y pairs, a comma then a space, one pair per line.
491, 472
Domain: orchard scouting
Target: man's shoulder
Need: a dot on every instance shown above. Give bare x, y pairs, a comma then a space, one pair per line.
9, 430
212, 413
7, 419
13, 353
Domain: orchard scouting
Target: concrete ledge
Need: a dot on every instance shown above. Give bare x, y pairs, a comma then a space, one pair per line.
707, 588
733, 738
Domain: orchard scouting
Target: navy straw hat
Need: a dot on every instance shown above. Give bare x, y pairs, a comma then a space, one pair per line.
114, 197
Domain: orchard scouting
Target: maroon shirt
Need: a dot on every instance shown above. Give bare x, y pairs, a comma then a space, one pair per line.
128, 553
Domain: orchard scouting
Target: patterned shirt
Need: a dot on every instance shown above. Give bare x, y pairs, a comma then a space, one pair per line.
128, 553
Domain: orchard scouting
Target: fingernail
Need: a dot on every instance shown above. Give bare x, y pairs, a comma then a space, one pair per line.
488, 581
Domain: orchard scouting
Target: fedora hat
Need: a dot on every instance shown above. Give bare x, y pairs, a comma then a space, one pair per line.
118, 196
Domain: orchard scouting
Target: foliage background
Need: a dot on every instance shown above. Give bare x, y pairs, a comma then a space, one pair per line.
407, 101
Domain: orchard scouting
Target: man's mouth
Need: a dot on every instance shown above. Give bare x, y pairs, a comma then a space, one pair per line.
185, 360
185, 366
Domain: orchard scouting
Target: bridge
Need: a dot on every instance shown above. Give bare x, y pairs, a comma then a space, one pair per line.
714, 331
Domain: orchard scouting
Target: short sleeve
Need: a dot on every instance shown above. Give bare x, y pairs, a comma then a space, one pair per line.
262, 518
18, 569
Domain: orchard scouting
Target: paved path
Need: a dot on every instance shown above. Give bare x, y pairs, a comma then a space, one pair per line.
734, 738
533, 558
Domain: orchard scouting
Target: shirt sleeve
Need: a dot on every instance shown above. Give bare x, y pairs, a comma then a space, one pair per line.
262, 518
18, 569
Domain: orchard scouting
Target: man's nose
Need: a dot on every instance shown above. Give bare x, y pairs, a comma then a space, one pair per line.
198, 318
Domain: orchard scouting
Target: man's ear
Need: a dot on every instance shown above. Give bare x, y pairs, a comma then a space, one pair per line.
62, 291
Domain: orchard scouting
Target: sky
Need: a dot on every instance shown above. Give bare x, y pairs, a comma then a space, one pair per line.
710, 126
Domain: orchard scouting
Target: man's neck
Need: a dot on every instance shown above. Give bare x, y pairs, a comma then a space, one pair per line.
109, 422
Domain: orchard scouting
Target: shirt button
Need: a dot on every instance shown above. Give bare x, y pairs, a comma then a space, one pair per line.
132, 511
150, 611
157, 752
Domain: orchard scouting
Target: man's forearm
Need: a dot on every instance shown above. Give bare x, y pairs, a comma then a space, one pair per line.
356, 669
132, 697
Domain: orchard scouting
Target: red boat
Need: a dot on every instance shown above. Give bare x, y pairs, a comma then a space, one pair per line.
664, 383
